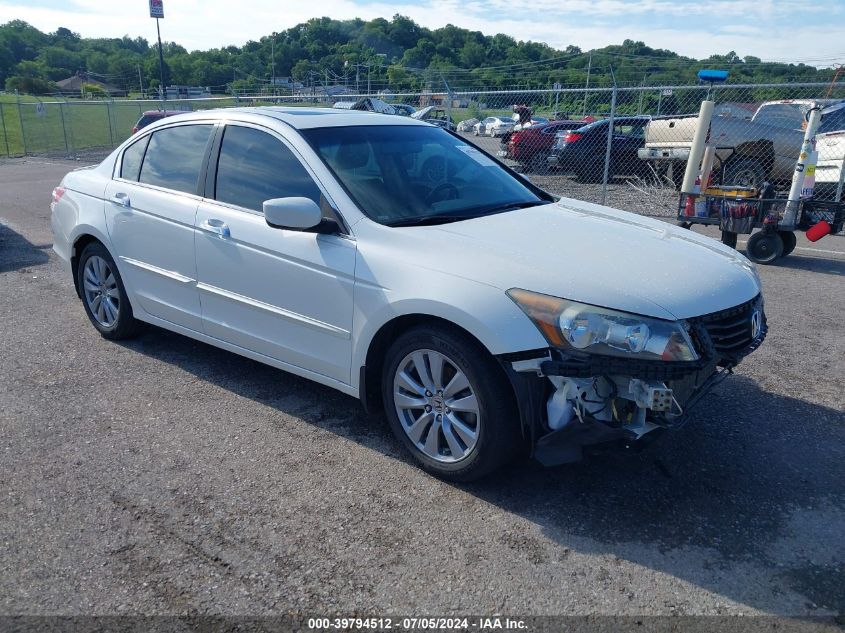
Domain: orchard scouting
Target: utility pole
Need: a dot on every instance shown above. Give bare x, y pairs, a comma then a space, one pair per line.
273, 62
161, 66
140, 81
157, 12
587, 88
642, 91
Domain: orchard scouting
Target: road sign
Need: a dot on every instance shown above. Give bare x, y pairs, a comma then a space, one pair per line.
667, 92
156, 8
40, 110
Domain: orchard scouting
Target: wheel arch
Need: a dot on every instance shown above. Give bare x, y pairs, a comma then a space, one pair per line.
369, 374
84, 236
761, 151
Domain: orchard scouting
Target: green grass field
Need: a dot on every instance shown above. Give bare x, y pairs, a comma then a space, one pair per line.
32, 126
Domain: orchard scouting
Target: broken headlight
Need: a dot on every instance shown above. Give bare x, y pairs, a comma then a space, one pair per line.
569, 325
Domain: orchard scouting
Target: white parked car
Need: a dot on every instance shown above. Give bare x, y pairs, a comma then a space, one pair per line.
467, 125
480, 313
493, 126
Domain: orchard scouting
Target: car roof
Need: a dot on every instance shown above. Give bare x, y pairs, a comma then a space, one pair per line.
301, 118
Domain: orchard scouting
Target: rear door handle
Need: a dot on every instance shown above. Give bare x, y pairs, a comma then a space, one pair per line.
122, 199
218, 227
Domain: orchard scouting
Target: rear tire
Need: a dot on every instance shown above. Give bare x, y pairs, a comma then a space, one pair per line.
744, 172
104, 295
449, 403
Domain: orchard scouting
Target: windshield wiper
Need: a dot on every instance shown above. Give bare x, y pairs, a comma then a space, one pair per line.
445, 219
428, 220
513, 206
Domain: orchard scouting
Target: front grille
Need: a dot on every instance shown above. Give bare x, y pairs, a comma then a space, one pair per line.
730, 331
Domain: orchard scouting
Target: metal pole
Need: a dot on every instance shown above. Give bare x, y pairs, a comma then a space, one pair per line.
838, 197
659, 100
5, 136
642, 92
609, 140
140, 81
64, 128
696, 152
587, 87
108, 116
790, 215
273, 62
161, 67
20, 118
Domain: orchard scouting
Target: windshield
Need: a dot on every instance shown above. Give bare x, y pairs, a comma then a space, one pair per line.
401, 174
833, 119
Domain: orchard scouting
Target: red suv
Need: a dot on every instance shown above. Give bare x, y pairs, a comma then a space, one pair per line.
151, 116
531, 146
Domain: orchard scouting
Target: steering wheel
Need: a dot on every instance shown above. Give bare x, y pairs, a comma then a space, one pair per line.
436, 194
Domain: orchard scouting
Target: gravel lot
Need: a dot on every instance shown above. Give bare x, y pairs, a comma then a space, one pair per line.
165, 476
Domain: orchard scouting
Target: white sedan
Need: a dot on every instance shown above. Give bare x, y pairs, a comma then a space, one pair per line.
493, 126
483, 316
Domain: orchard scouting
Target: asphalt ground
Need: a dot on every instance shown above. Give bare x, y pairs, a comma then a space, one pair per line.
165, 476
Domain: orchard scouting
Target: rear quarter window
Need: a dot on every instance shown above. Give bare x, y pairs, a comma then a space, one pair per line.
133, 156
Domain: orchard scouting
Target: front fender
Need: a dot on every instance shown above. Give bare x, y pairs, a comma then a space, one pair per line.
484, 311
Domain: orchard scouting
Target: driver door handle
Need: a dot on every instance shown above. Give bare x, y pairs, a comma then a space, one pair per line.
218, 227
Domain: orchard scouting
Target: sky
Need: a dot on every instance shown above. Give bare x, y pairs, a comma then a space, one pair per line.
774, 30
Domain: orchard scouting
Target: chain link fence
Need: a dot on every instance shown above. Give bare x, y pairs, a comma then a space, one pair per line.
628, 147
624, 146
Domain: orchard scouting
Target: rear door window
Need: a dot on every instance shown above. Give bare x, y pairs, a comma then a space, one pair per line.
174, 157
254, 167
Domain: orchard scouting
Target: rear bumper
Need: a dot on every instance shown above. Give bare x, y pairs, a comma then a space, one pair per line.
829, 171
664, 153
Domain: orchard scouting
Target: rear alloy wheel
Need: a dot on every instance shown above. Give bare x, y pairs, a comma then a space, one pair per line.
790, 241
764, 247
449, 403
103, 294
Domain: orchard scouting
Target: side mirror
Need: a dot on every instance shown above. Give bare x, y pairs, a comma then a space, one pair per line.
292, 213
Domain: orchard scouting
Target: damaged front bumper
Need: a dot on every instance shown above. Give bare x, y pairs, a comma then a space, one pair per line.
571, 401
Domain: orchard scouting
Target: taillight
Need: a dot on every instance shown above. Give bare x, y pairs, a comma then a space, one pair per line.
571, 137
58, 192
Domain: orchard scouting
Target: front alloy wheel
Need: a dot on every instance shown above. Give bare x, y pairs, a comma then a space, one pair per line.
436, 406
449, 402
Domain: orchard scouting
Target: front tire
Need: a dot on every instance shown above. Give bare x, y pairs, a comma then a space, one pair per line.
449, 403
103, 294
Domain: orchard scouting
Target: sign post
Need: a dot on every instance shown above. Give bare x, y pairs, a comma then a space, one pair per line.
157, 12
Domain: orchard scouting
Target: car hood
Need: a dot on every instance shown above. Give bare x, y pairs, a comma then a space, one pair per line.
587, 253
